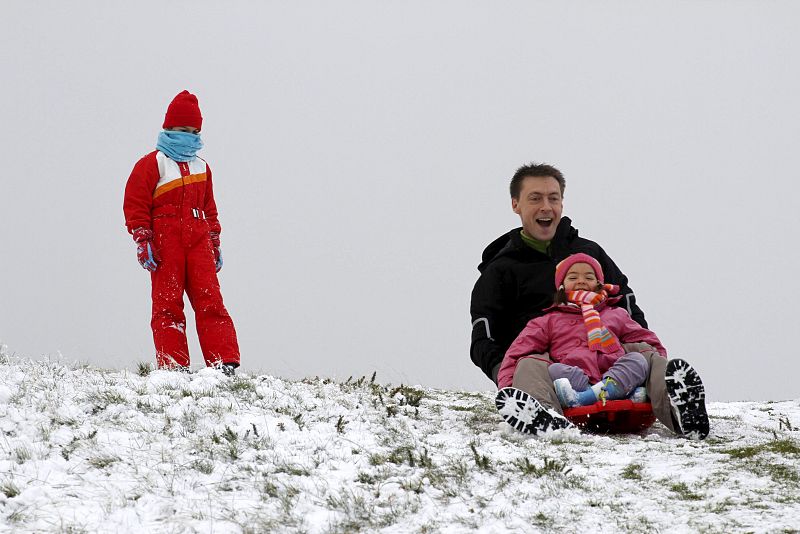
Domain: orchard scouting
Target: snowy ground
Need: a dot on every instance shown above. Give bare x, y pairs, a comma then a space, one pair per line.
90, 450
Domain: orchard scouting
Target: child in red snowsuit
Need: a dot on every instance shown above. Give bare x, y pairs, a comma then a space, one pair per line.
170, 212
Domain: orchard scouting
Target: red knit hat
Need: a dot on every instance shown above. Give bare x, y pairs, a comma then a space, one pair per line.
563, 267
183, 111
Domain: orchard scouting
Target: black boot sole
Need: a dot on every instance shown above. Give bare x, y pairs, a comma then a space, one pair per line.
525, 414
688, 398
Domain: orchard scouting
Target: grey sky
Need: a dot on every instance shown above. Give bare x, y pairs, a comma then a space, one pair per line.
361, 153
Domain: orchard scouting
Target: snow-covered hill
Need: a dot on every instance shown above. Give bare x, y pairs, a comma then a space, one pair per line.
91, 450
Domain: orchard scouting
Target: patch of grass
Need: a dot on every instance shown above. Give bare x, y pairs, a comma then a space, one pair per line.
405, 454
790, 498
714, 440
636, 525
413, 485
45, 430
261, 443
216, 407
102, 399
482, 461
108, 396
721, 507
459, 471
781, 472
233, 451
69, 448
287, 496
144, 368
459, 408
613, 507
229, 435
21, 454
293, 469
430, 527
228, 441
220, 407
74, 529
204, 466
298, 420
366, 478
269, 489
340, 424
785, 424
101, 461
632, 472
408, 395
483, 420
549, 467
363, 383
148, 406
743, 452
424, 459
784, 447
683, 492
542, 520
525, 465
258, 521
242, 385
780, 446
9, 489
358, 514
18, 516
189, 420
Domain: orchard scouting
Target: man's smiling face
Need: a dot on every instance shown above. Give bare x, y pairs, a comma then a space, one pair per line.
539, 206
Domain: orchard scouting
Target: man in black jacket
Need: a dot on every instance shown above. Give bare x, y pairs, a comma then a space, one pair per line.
516, 285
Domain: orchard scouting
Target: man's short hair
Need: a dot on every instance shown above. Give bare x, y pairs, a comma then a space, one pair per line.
536, 170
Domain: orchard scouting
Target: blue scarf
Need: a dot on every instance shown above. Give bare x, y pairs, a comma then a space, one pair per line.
179, 146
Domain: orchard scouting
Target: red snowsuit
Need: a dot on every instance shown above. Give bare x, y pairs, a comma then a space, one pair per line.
176, 201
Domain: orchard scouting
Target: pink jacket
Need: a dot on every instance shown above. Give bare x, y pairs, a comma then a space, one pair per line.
562, 333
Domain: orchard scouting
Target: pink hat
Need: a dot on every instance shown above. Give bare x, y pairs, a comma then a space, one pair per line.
184, 110
563, 267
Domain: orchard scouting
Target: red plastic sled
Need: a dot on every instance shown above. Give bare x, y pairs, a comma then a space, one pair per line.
615, 417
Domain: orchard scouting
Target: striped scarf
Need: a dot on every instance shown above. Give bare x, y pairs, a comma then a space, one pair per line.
598, 336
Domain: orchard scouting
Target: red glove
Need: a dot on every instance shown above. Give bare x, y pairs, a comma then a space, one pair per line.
145, 252
217, 250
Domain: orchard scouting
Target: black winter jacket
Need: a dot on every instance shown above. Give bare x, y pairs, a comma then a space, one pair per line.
517, 283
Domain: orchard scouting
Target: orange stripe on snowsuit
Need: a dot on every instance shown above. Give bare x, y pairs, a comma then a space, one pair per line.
186, 180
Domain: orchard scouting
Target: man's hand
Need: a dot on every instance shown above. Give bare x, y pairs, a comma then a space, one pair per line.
217, 250
145, 252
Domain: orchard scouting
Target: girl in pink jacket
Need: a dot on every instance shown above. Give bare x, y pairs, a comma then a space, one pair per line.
584, 337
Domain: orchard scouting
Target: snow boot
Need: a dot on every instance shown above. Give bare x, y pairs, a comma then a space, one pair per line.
608, 390
638, 395
567, 396
687, 397
605, 390
228, 369
589, 396
525, 414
